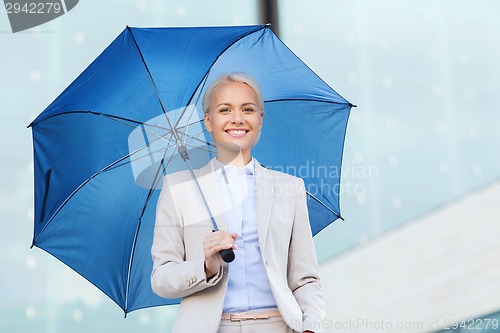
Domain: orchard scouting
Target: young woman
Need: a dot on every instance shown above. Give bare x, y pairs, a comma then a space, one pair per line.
273, 285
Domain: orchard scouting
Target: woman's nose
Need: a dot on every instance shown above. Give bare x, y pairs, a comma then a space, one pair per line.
237, 117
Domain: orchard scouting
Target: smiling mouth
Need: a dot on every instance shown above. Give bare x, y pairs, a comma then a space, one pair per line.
236, 132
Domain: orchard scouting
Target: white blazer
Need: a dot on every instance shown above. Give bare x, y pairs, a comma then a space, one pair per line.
285, 240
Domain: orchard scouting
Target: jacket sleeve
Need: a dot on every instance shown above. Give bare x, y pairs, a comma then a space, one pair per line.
172, 275
303, 270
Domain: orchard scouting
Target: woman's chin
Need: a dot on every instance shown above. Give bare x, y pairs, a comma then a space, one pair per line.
229, 147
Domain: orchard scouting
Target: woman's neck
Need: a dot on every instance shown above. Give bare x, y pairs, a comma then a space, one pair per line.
237, 159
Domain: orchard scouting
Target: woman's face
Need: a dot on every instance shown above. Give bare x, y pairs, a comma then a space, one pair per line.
234, 118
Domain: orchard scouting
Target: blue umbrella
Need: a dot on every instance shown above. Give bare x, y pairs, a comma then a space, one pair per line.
103, 146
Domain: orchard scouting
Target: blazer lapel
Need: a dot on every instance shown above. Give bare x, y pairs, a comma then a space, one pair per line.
264, 185
207, 178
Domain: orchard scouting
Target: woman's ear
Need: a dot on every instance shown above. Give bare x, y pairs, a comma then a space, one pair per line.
206, 121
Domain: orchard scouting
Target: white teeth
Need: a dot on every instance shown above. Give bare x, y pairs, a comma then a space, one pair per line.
236, 132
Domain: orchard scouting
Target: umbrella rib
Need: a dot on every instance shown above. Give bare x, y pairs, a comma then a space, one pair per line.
162, 161
201, 148
172, 145
323, 204
158, 136
156, 180
83, 184
205, 77
319, 201
350, 105
195, 138
96, 114
136, 235
109, 116
154, 86
204, 80
189, 118
117, 119
132, 160
308, 100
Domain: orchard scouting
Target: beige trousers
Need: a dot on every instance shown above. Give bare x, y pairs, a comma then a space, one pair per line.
273, 324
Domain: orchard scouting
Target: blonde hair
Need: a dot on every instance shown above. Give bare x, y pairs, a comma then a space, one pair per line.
240, 77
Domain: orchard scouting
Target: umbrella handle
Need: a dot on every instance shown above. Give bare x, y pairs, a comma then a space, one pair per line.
227, 255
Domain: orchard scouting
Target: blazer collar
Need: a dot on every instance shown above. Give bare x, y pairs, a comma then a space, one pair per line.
264, 185
220, 168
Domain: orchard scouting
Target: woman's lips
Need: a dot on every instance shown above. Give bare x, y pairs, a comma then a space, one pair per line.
237, 133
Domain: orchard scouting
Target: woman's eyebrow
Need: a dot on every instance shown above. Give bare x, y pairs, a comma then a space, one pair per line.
229, 104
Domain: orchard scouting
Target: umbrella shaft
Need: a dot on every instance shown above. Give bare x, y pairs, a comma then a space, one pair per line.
185, 156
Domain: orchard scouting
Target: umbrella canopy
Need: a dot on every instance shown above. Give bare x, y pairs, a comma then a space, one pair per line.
103, 146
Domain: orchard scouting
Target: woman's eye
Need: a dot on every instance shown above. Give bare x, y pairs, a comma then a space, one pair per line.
225, 110
248, 110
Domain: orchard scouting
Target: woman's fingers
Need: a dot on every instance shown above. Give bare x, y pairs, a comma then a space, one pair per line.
213, 243
219, 240
234, 236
